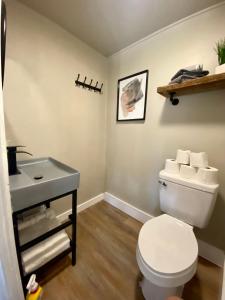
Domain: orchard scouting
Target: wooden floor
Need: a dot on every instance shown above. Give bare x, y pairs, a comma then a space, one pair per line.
106, 266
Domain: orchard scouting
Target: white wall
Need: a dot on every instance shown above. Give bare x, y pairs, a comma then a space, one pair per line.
136, 151
44, 110
10, 283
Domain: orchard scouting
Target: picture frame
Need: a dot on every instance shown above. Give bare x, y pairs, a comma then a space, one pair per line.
132, 97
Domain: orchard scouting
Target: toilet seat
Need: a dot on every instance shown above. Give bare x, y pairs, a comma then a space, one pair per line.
167, 251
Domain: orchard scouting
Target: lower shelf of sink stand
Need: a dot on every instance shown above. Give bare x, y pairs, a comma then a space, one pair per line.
72, 249
49, 263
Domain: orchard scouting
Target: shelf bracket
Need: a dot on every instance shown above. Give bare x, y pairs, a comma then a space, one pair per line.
173, 99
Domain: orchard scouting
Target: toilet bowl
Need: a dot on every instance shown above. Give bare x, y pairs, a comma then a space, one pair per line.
167, 249
167, 254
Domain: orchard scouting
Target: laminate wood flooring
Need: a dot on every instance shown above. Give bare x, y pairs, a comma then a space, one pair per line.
106, 266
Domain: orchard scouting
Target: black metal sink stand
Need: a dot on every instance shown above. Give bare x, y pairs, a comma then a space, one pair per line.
72, 220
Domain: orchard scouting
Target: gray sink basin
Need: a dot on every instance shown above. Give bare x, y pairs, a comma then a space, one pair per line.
39, 180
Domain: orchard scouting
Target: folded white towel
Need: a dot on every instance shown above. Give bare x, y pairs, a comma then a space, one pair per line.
46, 257
34, 225
43, 247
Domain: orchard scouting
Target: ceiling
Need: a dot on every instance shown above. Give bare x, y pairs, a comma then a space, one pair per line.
111, 25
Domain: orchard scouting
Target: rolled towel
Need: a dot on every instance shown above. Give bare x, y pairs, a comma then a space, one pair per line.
37, 263
33, 211
197, 67
33, 219
199, 160
183, 156
37, 229
37, 251
208, 175
29, 221
187, 172
171, 166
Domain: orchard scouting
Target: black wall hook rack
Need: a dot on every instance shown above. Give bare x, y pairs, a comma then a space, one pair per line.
88, 86
173, 98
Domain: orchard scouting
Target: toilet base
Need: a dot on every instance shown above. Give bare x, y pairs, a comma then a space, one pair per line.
153, 292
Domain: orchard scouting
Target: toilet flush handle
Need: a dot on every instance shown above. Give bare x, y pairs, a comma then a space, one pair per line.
162, 183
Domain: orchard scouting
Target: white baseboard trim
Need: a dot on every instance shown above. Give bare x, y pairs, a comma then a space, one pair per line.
211, 253
63, 216
90, 202
206, 250
129, 209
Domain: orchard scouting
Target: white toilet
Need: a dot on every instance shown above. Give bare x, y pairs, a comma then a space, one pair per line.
167, 249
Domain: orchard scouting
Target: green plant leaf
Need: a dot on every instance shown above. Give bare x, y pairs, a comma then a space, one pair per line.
220, 50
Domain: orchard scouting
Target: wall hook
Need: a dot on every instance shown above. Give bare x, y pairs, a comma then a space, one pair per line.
84, 85
88, 86
101, 87
77, 81
96, 87
173, 100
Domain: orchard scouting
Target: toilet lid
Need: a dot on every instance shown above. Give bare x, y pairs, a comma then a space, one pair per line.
167, 245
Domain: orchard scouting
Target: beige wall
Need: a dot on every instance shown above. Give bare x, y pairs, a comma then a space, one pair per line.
136, 151
48, 114
43, 108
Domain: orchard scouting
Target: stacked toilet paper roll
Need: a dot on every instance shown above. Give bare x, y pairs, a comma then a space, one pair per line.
172, 166
183, 156
208, 175
187, 171
199, 160
191, 165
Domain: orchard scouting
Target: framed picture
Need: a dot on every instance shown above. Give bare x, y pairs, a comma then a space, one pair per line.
132, 97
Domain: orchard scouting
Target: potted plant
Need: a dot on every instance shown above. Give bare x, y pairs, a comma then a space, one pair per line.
220, 50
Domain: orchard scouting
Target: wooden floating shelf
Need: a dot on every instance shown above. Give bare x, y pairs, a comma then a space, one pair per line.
203, 84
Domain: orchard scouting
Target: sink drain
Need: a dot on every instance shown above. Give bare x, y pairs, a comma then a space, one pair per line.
38, 177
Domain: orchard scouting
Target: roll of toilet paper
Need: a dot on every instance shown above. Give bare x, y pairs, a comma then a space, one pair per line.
199, 160
172, 166
183, 156
207, 175
187, 171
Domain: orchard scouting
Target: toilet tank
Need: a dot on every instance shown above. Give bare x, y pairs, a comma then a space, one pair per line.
187, 200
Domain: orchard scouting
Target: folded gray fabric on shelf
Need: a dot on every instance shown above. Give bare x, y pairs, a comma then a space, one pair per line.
184, 74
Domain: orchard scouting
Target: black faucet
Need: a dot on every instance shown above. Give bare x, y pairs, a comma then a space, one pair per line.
12, 162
